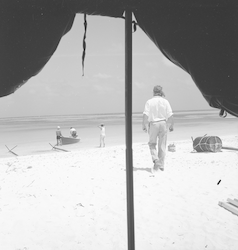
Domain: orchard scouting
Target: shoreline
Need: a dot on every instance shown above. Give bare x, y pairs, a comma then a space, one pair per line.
44, 148
34, 136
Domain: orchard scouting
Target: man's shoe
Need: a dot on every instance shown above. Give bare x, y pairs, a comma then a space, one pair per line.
157, 166
161, 168
154, 171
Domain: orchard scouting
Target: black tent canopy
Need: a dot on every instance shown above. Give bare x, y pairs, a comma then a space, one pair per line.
199, 36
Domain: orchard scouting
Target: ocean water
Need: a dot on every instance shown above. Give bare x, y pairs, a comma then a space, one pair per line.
85, 121
39, 129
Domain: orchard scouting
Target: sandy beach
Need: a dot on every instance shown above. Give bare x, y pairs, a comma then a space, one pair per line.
77, 200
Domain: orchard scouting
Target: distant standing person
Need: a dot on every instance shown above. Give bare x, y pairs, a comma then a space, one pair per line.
58, 136
102, 135
157, 116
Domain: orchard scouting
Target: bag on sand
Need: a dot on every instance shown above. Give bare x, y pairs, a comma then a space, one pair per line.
171, 147
207, 144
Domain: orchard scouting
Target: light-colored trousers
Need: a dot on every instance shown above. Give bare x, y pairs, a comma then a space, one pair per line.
102, 140
158, 136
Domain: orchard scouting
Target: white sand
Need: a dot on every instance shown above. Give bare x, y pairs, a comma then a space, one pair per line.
77, 200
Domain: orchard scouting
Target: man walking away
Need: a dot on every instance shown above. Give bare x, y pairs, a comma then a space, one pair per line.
157, 116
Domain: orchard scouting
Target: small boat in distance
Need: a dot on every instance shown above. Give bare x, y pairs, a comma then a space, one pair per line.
69, 140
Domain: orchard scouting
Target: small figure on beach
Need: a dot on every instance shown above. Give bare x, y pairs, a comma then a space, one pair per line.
157, 116
58, 136
102, 135
73, 132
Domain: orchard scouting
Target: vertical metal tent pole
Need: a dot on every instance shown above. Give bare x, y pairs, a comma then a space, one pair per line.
128, 120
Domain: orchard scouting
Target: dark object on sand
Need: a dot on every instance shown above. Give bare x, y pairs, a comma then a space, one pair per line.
56, 148
171, 147
230, 148
11, 150
207, 144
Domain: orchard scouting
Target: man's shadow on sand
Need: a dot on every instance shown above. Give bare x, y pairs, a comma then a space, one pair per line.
142, 169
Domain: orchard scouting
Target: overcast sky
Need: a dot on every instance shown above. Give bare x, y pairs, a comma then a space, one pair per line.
60, 88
